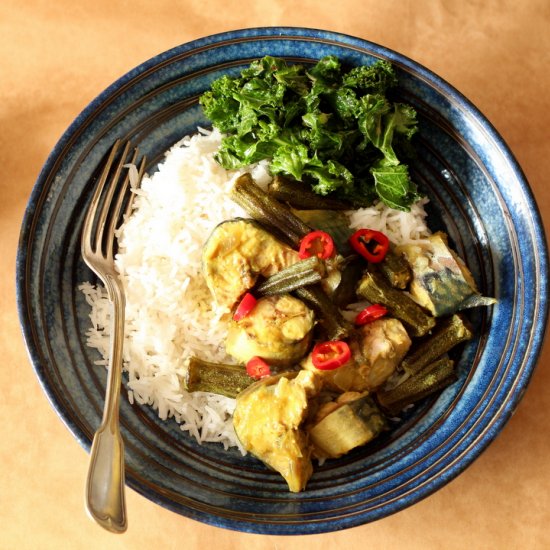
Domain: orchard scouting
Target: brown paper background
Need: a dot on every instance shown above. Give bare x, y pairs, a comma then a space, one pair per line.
57, 55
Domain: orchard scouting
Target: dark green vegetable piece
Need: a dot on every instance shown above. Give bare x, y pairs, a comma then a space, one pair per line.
220, 378
333, 222
299, 195
374, 288
332, 321
432, 378
351, 273
448, 333
396, 269
335, 128
303, 273
269, 212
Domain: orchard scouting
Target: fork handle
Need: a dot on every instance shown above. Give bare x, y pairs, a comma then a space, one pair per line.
105, 499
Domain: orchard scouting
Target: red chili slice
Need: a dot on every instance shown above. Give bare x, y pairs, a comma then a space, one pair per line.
372, 245
316, 243
330, 355
245, 307
257, 368
370, 314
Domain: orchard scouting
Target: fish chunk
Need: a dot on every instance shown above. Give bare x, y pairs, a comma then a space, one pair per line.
268, 421
441, 281
377, 350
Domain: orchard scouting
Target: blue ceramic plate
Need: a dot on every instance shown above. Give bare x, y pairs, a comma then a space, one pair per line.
478, 194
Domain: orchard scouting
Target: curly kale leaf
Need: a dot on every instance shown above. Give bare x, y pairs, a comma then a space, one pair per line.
333, 128
394, 187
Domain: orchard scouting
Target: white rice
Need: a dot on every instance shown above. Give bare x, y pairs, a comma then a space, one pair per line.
400, 227
170, 314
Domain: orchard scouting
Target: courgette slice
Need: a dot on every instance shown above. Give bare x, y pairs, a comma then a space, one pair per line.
278, 329
236, 254
352, 424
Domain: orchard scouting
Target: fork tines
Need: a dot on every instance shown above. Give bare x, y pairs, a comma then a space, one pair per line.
110, 195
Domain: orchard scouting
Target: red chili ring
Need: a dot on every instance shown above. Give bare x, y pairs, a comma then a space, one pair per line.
247, 304
370, 314
257, 368
330, 355
372, 245
317, 243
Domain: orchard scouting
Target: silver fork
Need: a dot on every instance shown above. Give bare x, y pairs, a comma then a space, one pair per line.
105, 500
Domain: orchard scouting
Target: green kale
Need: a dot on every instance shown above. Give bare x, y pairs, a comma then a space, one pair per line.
333, 128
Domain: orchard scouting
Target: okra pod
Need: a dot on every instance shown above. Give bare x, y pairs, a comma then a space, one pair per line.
448, 333
299, 195
434, 377
303, 273
269, 212
374, 288
220, 378
336, 327
396, 269
351, 274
